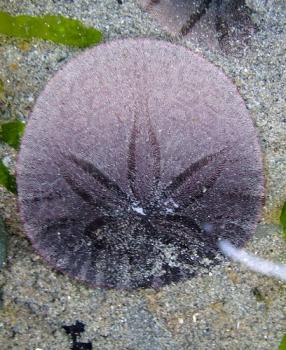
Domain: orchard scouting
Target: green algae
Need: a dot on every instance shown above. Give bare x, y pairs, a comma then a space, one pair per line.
58, 29
283, 219
282, 345
11, 133
6, 179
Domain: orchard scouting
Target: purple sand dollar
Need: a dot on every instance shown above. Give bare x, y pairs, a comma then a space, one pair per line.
138, 157
222, 25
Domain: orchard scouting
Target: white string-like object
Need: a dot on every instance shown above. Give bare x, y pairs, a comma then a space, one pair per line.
253, 262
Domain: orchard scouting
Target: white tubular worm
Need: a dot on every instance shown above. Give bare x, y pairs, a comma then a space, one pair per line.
253, 262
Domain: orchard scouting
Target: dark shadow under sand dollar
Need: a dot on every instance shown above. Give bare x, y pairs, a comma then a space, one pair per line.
138, 156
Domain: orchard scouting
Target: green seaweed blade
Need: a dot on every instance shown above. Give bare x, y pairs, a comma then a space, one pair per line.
12, 132
6, 179
282, 345
58, 29
283, 220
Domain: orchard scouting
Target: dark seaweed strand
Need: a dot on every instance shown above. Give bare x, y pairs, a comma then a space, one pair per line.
99, 176
190, 171
195, 17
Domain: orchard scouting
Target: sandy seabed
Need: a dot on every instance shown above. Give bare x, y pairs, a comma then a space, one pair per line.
227, 308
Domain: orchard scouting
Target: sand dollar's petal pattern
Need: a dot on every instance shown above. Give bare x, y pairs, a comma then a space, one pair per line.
131, 169
144, 158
